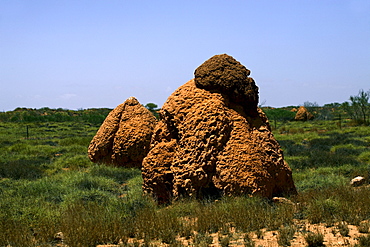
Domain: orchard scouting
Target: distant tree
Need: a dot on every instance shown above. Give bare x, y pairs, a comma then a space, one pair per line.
333, 111
153, 108
279, 114
312, 107
359, 107
326, 112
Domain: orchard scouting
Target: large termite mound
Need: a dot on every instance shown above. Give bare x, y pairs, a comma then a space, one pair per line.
213, 139
124, 137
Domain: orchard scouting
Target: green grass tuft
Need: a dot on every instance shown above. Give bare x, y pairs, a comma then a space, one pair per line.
314, 239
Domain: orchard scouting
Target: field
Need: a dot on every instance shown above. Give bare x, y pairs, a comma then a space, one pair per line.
51, 194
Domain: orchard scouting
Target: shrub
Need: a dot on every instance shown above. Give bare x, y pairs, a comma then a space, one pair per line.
286, 235
202, 239
248, 242
314, 239
343, 229
224, 241
364, 241
259, 234
364, 227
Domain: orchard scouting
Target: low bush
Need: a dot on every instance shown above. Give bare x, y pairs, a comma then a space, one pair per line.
202, 239
248, 241
224, 241
314, 239
343, 229
285, 235
364, 227
363, 241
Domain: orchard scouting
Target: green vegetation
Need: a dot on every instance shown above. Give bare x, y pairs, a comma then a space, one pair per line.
280, 115
153, 108
314, 239
45, 114
363, 241
286, 234
359, 107
48, 185
248, 242
364, 227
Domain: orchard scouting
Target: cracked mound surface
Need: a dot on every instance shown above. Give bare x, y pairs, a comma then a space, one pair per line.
207, 144
124, 137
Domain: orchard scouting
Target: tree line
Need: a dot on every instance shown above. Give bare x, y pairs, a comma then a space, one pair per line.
45, 114
357, 109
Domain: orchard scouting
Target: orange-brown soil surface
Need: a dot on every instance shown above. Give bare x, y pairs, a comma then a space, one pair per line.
332, 237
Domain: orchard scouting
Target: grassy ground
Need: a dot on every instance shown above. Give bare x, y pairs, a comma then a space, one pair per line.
48, 185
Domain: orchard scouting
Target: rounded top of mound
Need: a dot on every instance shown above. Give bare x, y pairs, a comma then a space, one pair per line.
132, 101
220, 70
222, 73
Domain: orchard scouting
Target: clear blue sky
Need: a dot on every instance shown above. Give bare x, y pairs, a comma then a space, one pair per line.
85, 54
